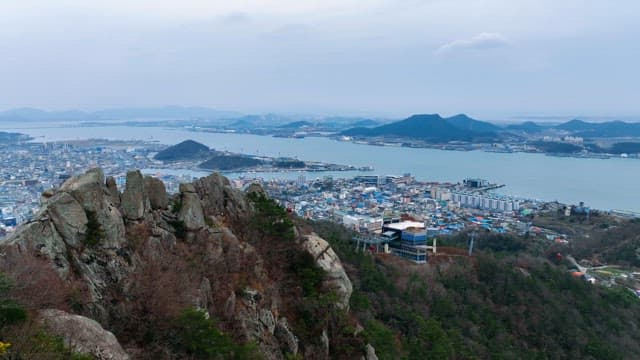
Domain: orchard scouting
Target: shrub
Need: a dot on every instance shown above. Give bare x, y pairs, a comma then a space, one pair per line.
270, 218
196, 336
10, 311
94, 230
179, 227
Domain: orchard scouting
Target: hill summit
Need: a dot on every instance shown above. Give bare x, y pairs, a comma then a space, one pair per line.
430, 128
186, 150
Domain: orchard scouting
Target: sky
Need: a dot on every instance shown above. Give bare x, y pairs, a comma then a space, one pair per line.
492, 59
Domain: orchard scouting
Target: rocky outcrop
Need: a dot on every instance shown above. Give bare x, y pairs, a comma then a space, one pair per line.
220, 199
190, 213
370, 353
112, 189
88, 189
288, 340
156, 193
83, 335
328, 260
68, 218
221, 270
134, 200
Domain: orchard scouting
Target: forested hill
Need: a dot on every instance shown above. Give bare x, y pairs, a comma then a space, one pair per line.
186, 150
431, 128
496, 305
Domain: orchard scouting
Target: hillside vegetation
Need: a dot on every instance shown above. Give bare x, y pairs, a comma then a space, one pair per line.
500, 304
186, 150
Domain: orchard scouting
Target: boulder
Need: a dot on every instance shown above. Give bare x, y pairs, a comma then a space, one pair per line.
90, 190
187, 188
83, 335
133, 200
190, 213
370, 353
219, 198
329, 261
46, 195
68, 218
87, 189
156, 193
112, 189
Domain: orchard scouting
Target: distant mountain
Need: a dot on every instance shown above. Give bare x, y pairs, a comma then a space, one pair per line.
186, 150
576, 125
31, 114
598, 130
528, 127
295, 125
166, 112
464, 122
230, 162
432, 128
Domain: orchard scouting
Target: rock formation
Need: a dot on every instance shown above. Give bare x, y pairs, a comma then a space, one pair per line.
327, 259
156, 193
134, 198
126, 249
83, 335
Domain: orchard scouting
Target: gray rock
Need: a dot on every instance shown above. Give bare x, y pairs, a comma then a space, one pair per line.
370, 353
83, 335
90, 191
112, 189
251, 297
230, 304
267, 319
46, 195
203, 295
133, 199
43, 236
68, 217
220, 199
187, 188
191, 211
87, 189
112, 224
156, 193
288, 341
324, 340
329, 261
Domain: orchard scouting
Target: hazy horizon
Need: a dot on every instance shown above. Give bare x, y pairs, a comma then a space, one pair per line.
231, 114
493, 59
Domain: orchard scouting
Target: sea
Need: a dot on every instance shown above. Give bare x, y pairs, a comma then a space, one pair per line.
605, 184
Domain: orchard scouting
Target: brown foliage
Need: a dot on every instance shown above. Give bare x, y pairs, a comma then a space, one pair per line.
36, 285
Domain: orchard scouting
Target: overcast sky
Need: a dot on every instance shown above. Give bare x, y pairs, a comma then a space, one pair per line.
487, 58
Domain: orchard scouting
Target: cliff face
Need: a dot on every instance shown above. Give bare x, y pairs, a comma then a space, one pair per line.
132, 260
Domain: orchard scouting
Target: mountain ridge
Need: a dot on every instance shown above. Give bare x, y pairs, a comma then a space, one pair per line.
429, 127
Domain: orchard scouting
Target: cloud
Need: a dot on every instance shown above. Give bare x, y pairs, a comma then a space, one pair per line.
482, 41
